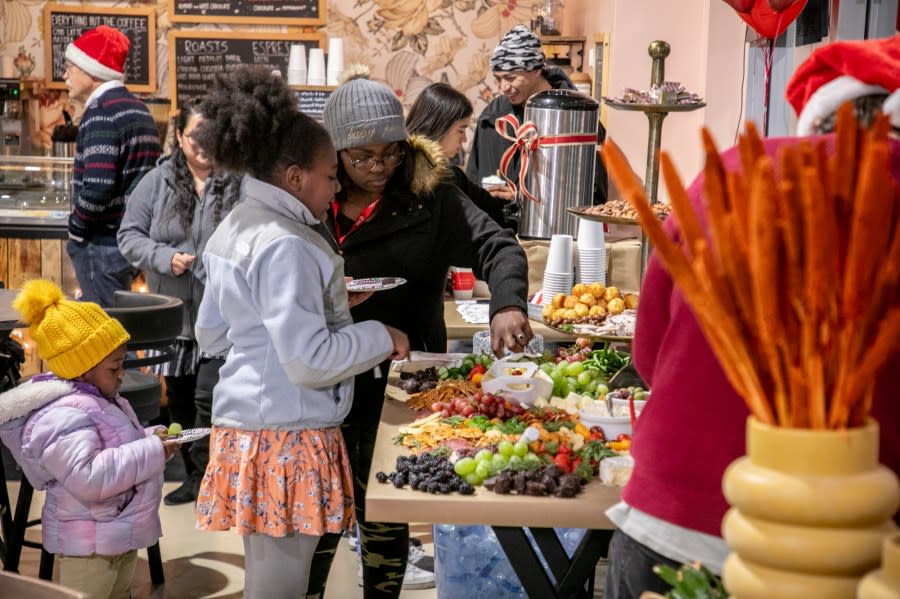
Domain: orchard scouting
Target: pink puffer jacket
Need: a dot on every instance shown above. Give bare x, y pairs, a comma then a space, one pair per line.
102, 471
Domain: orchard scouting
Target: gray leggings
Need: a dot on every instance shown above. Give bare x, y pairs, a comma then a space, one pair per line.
277, 567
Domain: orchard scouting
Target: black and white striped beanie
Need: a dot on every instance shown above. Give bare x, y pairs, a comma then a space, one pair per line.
518, 50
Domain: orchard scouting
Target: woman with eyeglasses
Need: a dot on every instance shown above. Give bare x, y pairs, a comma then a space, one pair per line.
168, 220
398, 215
443, 114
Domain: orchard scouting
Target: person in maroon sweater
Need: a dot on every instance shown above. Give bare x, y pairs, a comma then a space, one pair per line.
693, 427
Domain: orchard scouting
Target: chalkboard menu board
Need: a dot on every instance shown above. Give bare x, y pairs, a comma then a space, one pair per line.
196, 57
64, 22
272, 12
311, 99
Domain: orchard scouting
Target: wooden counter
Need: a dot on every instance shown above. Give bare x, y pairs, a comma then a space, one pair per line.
386, 503
460, 330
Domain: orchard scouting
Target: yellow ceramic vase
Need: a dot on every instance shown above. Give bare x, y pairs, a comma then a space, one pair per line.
884, 583
810, 510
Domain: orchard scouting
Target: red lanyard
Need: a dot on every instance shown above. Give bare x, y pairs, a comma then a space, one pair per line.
363, 217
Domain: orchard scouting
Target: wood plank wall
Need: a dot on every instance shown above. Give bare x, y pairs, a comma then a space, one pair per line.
24, 259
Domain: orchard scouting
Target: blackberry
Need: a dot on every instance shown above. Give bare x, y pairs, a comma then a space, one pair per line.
381, 477
466, 489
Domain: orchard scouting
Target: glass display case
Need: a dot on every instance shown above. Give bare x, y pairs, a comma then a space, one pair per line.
35, 196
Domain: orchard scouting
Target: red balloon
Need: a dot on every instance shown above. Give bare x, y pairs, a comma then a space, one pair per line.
781, 5
768, 22
740, 6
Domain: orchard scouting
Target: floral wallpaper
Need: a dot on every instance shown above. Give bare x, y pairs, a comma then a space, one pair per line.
408, 44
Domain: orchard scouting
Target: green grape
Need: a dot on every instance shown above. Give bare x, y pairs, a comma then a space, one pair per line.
474, 479
174, 429
557, 376
592, 387
602, 389
484, 455
573, 382
562, 388
464, 466
547, 367
515, 463
505, 448
560, 368
499, 462
585, 378
574, 368
483, 469
520, 449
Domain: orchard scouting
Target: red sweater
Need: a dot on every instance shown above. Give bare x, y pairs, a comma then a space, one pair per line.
693, 427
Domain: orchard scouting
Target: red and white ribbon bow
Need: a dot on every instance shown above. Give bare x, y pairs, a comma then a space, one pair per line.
526, 140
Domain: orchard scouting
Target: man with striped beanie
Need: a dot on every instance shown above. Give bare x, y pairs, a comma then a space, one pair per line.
117, 144
520, 71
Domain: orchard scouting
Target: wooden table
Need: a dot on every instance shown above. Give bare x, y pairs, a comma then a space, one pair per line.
459, 330
508, 515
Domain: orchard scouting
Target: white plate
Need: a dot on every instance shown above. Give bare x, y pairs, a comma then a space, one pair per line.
190, 434
374, 284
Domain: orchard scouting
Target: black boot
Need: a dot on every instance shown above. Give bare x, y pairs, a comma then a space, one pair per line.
187, 492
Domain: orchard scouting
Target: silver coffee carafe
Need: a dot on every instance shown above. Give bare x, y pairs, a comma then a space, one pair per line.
561, 169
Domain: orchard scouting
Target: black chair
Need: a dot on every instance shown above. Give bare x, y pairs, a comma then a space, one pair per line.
154, 322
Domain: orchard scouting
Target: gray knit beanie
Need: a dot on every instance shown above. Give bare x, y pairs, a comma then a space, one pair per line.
362, 112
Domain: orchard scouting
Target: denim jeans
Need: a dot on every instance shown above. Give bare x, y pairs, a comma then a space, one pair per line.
630, 570
101, 270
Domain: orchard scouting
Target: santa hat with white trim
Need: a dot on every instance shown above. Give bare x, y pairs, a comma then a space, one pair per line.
100, 53
844, 71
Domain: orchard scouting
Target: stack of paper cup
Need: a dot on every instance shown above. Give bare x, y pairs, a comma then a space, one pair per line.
315, 70
558, 274
591, 252
296, 73
335, 59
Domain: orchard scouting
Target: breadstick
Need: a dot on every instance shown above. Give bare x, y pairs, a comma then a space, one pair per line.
688, 223
843, 162
764, 269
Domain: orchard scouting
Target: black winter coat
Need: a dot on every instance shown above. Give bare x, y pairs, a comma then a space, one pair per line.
442, 229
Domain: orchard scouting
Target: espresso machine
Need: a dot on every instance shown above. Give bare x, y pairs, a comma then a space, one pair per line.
14, 140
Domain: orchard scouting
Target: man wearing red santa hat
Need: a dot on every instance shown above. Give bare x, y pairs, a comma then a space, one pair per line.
672, 507
117, 144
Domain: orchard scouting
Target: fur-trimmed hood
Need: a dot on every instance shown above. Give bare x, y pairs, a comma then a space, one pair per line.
432, 167
28, 397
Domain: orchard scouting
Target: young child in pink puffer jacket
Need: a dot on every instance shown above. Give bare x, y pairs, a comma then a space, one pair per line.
75, 437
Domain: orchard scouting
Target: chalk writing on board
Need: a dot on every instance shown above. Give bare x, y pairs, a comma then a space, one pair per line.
248, 9
196, 60
65, 26
312, 101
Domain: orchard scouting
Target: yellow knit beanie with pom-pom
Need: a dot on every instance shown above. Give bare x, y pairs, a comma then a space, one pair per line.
71, 336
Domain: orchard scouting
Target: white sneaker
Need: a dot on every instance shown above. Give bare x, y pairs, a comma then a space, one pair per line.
352, 539
419, 568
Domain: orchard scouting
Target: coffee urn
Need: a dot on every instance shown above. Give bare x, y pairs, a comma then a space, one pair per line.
561, 170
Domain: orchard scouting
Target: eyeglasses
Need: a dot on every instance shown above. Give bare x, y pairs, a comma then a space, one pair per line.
368, 164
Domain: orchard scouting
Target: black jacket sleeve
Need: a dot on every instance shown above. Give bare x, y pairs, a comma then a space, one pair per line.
472, 239
481, 198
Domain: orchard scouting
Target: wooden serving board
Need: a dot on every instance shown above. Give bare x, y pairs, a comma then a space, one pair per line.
394, 391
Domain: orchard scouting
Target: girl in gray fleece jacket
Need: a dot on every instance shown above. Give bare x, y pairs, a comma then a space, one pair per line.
276, 301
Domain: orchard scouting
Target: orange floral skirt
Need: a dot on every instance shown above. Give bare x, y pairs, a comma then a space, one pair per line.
276, 483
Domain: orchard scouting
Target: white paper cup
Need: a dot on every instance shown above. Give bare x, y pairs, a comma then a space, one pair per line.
559, 255
296, 77
335, 59
315, 69
590, 234
297, 58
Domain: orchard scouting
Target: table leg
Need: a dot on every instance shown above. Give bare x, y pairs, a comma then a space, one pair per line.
574, 577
